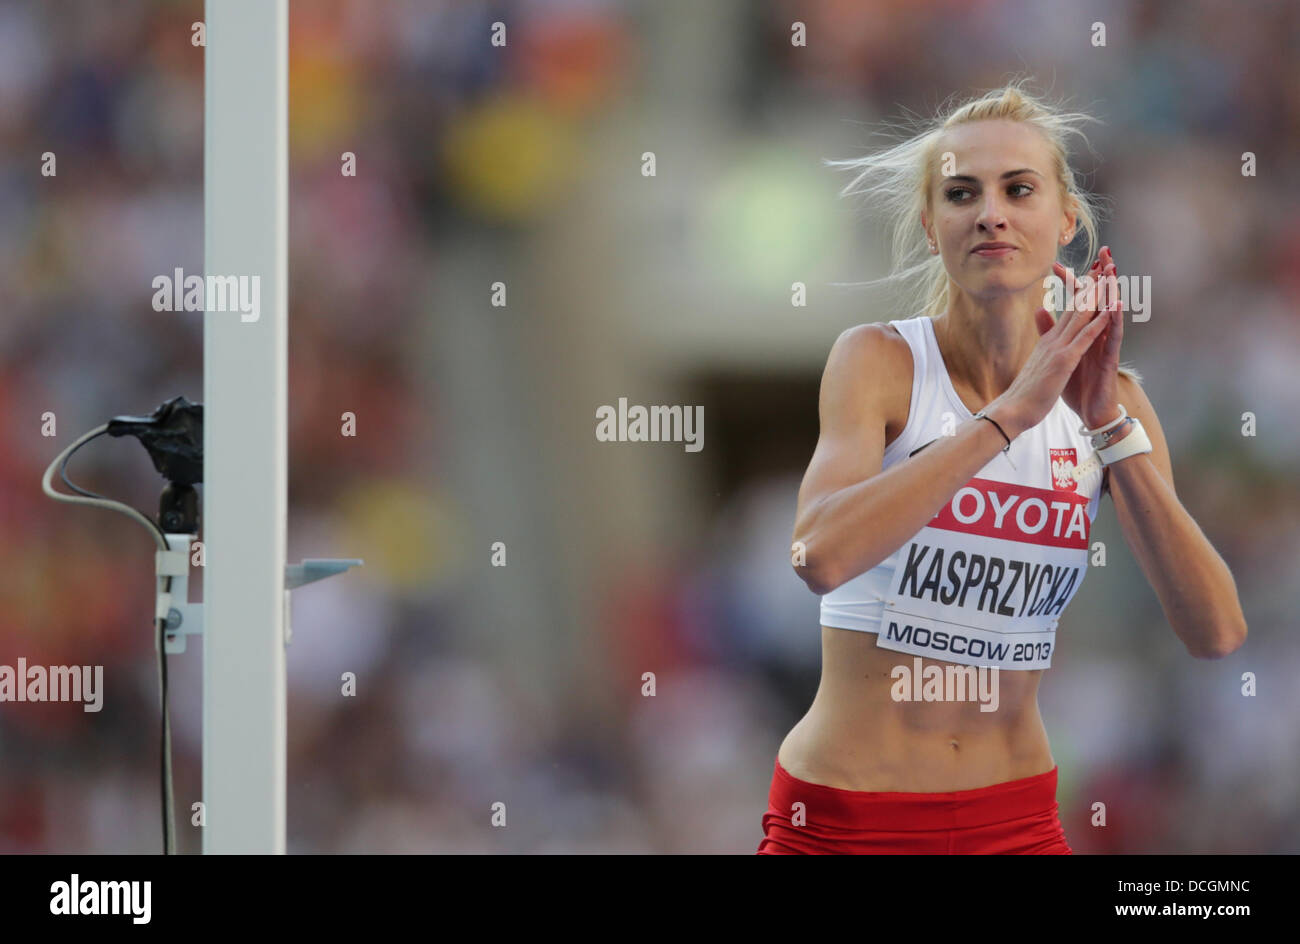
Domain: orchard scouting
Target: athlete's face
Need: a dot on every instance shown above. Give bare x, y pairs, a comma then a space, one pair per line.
998, 187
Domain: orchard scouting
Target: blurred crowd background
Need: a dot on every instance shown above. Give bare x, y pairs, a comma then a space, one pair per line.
522, 165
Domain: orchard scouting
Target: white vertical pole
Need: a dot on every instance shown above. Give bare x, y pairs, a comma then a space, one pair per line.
245, 171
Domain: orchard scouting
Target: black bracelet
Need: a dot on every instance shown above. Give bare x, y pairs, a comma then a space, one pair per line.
981, 415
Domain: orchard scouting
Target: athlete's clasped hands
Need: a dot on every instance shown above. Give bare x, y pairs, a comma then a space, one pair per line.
1077, 355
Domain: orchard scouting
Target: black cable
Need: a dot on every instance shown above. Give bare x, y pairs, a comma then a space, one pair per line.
162, 656
63, 469
90, 498
166, 731
63, 474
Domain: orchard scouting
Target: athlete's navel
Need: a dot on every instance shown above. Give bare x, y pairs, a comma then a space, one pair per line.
953, 744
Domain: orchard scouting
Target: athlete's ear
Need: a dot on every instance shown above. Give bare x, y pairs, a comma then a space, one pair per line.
929, 236
1070, 219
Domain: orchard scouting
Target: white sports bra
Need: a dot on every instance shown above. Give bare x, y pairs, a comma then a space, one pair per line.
985, 582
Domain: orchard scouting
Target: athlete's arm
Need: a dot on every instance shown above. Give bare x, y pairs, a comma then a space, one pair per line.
851, 515
1194, 585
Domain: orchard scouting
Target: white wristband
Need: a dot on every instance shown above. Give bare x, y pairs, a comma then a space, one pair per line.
1135, 443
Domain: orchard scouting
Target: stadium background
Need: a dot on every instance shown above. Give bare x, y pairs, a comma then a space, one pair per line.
477, 164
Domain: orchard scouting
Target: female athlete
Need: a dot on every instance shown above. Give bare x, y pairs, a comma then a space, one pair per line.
945, 515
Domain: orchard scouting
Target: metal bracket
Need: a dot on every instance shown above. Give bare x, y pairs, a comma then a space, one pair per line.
317, 568
184, 618
309, 571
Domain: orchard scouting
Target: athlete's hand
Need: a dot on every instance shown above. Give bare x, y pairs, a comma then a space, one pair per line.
1051, 365
1092, 390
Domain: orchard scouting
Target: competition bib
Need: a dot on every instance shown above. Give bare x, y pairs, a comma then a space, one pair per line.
985, 581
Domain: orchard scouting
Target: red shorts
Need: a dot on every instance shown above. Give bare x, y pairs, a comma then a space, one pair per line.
1016, 817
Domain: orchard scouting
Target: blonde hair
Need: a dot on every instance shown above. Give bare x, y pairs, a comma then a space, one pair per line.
897, 178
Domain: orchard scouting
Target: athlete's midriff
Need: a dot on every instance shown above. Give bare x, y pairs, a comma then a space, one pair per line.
856, 736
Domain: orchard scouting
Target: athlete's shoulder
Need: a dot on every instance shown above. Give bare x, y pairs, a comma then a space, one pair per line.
875, 346
869, 376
